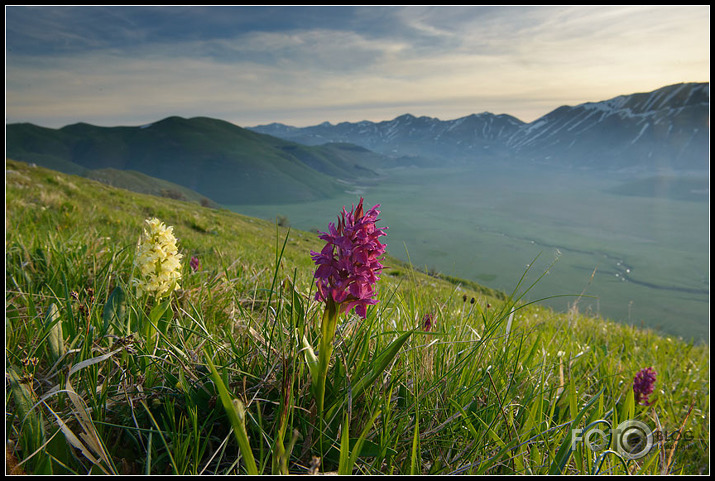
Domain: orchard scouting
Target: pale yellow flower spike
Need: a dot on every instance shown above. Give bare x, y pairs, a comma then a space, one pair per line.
158, 260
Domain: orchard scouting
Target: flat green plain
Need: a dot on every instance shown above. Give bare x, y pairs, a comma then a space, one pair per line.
633, 250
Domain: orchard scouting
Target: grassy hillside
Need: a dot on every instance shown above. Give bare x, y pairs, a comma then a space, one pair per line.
215, 379
144, 184
217, 159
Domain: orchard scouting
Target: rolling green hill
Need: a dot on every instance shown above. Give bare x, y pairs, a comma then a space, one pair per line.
217, 159
145, 184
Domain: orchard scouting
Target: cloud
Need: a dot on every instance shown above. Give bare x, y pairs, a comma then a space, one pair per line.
253, 65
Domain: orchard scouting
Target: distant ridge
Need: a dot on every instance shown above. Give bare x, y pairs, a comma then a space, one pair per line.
666, 129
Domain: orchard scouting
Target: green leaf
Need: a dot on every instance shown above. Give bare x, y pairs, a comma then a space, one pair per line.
535, 455
33, 432
357, 445
415, 458
530, 419
492, 434
310, 358
114, 313
628, 408
158, 317
573, 400
379, 364
24, 402
369, 449
344, 466
53, 322
352, 448
296, 304
236, 415
565, 450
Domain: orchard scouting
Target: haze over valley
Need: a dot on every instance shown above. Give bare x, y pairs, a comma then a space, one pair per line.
610, 197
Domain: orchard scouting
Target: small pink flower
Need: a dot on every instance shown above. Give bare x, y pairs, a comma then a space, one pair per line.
194, 263
427, 322
643, 385
349, 264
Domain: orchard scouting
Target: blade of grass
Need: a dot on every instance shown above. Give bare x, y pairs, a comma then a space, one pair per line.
564, 453
236, 415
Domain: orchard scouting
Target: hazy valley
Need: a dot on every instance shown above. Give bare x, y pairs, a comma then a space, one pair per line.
648, 255
617, 192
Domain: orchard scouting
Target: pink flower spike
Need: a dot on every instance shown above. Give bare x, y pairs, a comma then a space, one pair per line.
194, 263
427, 322
349, 264
643, 385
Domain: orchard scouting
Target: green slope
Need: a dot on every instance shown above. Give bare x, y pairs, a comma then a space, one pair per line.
477, 393
215, 158
145, 184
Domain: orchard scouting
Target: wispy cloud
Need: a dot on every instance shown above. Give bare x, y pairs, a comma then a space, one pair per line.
298, 65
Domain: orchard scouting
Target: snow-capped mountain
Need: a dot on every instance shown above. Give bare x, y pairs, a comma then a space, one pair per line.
407, 135
665, 129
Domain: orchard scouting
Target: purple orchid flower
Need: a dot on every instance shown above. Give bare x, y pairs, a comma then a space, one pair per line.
349, 264
643, 385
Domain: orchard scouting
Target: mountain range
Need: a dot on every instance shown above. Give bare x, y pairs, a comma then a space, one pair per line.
666, 129
663, 130
217, 159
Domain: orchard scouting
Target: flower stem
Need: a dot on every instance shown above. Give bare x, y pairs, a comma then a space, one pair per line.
325, 351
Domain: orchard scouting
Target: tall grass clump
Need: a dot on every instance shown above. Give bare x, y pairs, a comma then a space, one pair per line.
259, 358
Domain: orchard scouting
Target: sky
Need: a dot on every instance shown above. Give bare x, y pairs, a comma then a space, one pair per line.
302, 65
